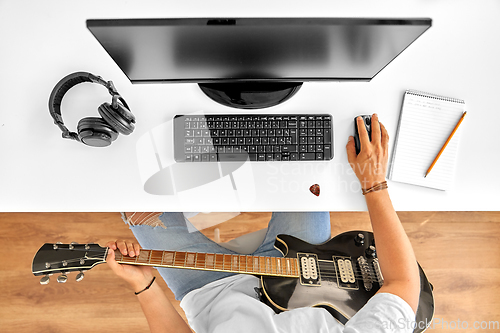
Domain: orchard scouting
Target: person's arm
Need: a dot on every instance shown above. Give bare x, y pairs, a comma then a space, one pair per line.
395, 253
159, 312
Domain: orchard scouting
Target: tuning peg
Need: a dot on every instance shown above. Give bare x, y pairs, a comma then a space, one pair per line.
45, 280
62, 278
79, 277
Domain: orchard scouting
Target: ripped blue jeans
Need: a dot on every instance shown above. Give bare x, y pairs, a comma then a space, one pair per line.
176, 233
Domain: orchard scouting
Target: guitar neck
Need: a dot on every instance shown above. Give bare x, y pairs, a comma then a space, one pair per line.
233, 263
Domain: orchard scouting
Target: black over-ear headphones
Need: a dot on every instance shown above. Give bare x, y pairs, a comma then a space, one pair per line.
93, 131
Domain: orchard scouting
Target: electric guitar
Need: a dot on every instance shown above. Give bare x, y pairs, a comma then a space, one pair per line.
340, 275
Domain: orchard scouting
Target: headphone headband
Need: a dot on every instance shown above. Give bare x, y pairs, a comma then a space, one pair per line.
68, 82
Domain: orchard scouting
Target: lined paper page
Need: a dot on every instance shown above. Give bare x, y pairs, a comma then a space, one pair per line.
426, 123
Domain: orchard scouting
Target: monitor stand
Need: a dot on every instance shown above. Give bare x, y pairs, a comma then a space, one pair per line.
250, 94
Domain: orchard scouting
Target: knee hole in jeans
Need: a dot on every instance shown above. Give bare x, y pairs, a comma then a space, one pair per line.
150, 219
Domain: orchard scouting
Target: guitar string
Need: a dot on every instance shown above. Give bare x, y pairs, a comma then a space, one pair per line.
325, 269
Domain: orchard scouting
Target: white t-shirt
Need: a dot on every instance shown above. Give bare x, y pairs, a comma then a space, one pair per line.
231, 305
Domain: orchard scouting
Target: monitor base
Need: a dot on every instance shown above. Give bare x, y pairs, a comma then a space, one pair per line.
250, 95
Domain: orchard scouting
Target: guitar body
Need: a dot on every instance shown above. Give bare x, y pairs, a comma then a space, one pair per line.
341, 299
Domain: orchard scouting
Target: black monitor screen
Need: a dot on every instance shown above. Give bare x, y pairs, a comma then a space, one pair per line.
246, 49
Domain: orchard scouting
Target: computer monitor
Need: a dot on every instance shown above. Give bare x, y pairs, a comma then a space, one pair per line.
254, 63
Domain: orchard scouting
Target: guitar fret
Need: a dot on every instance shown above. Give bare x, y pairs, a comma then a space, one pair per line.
143, 257
249, 260
200, 260
180, 259
168, 258
137, 257
190, 259
243, 262
156, 258
219, 262
256, 264
235, 263
262, 265
227, 262
209, 258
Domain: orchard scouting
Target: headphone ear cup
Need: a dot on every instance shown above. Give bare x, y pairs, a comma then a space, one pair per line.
121, 119
95, 132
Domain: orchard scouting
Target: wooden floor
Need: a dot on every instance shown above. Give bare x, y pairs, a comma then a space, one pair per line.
459, 251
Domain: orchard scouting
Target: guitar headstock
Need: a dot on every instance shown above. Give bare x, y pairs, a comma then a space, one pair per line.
65, 258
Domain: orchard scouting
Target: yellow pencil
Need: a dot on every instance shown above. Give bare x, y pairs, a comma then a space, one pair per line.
445, 144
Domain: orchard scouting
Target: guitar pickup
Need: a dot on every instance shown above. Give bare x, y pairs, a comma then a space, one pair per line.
345, 272
309, 269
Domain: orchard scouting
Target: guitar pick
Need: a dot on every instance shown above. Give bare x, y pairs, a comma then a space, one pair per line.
314, 189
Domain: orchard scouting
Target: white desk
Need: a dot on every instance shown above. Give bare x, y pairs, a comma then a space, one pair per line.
42, 41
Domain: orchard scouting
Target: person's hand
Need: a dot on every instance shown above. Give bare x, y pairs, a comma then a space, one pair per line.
370, 166
137, 276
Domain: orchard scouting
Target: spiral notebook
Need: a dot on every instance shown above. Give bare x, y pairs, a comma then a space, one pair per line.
425, 123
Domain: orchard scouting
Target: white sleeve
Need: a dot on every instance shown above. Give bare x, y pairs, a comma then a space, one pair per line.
384, 312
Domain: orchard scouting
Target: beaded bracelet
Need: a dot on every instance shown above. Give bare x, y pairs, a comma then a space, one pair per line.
377, 187
154, 277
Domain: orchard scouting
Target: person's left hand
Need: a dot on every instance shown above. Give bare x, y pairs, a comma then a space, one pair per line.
137, 276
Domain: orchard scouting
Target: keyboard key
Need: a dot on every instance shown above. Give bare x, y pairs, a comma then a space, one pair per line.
289, 148
327, 153
233, 157
328, 136
307, 156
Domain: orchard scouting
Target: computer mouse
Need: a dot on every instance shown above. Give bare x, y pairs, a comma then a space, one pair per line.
367, 120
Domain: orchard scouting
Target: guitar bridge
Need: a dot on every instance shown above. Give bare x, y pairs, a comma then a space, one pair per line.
309, 269
370, 274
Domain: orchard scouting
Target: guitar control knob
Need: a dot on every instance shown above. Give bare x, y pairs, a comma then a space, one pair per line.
79, 277
45, 280
359, 239
371, 252
62, 278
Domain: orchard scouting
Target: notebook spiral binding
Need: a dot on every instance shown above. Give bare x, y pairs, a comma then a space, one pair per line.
438, 97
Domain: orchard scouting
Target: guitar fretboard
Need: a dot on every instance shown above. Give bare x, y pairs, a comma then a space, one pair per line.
234, 263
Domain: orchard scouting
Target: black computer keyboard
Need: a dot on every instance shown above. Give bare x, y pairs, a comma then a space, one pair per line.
254, 137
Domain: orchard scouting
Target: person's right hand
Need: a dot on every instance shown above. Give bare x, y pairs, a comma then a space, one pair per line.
370, 166
137, 276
